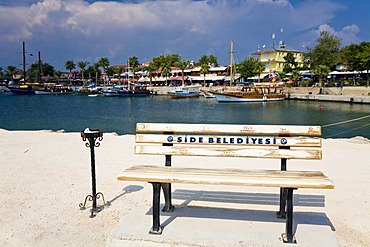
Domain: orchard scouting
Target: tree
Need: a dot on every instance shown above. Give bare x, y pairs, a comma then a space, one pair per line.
133, 63
58, 74
247, 68
182, 64
95, 68
70, 65
118, 71
210, 60
364, 58
150, 69
326, 52
290, 63
11, 71
82, 65
164, 63
1, 73
46, 70
204, 69
260, 67
103, 62
110, 73
321, 71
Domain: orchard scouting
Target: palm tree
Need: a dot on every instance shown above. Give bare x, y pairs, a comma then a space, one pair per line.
322, 71
11, 71
118, 71
82, 65
133, 63
260, 67
104, 62
1, 73
166, 68
204, 69
150, 69
182, 64
70, 65
96, 69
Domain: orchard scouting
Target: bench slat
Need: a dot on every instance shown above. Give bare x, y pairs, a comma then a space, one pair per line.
227, 151
237, 177
229, 129
231, 140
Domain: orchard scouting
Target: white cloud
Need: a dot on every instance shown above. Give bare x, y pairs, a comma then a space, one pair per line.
79, 30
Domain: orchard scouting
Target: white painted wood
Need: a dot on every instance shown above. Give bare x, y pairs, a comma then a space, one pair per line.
237, 177
252, 140
227, 151
228, 129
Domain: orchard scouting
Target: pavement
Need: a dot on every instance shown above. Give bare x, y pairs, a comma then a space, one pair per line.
224, 216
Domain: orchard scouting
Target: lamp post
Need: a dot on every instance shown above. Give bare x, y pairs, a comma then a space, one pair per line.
93, 138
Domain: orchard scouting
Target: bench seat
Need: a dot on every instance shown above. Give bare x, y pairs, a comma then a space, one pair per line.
237, 177
280, 142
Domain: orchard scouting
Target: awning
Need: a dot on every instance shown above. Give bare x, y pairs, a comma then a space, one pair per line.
177, 78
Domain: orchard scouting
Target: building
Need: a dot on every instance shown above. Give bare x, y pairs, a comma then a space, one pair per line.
274, 58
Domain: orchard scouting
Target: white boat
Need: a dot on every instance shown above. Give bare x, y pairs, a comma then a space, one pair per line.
183, 92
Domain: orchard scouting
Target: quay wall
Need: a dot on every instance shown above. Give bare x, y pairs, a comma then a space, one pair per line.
336, 94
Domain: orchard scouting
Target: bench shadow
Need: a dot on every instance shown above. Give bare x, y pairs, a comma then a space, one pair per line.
186, 210
245, 198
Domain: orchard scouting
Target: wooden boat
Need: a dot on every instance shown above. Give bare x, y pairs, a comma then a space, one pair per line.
257, 92
135, 92
261, 92
53, 90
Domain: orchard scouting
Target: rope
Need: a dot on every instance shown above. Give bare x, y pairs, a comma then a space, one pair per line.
349, 130
351, 120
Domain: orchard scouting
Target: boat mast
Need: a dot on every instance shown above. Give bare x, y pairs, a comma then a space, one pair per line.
39, 67
24, 62
231, 63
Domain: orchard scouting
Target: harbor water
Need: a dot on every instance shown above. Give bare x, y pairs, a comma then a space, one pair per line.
74, 113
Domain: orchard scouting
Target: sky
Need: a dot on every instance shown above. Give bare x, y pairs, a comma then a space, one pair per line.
87, 30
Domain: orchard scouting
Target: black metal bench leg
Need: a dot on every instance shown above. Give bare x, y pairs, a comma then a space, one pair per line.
282, 210
288, 236
156, 228
168, 207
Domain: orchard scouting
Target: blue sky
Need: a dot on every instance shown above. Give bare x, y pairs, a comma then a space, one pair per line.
86, 30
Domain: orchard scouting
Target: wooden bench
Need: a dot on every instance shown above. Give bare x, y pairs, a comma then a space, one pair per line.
215, 140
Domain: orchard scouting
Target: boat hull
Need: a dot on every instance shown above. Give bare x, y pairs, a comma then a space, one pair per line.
22, 91
228, 98
183, 95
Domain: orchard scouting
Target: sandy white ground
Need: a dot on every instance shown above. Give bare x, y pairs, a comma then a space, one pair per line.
44, 176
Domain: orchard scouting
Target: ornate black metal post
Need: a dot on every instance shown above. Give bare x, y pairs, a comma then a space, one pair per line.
94, 137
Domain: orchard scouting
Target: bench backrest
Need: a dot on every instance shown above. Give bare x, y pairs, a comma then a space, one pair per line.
231, 140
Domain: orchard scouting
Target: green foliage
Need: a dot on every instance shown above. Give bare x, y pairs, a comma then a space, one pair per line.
326, 52
82, 65
133, 63
290, 63
11, 71
182, 64
70, 65
34, 73
246, 68
209, 60
103, 62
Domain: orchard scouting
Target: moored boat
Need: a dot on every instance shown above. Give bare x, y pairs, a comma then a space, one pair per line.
258, 92
183, 92
22, 90
138, 91
53, 90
